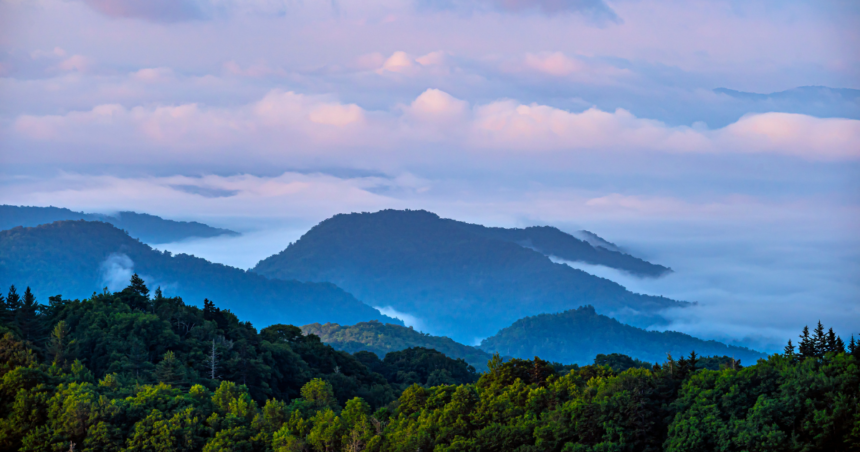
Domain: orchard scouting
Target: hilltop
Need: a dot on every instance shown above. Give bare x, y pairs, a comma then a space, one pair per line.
383, 338
579, 335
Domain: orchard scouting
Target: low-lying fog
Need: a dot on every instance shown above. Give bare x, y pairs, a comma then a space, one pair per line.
753, 288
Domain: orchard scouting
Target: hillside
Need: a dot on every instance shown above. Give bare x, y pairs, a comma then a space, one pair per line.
381, 338
77, 258
462, 281
579, 335
551, 241
147, 228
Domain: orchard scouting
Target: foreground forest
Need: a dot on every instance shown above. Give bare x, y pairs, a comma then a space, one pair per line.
136, 371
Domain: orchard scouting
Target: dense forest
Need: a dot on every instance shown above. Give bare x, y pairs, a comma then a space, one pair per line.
144, 227
139, 371
578, 335
77, 258
462, 281
382, 338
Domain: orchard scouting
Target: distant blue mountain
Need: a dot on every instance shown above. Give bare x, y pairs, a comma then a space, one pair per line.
147, 228
462, 280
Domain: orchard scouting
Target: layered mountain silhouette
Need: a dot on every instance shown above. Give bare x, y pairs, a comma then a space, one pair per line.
77, 258
460, 280
147, 228
578, 335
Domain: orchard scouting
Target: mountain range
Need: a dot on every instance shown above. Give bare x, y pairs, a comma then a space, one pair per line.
78, 258
148, 228
461, 280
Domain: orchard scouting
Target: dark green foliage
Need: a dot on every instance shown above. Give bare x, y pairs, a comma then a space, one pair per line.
76, 258
301, 395
579, 335
620, 363
462, 281
382, 338
147, 228
420, 365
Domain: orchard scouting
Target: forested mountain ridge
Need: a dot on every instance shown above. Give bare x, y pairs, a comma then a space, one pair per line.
551, 241
382, 338
460, 283
77, 258
147, 228
578, 335
129, 371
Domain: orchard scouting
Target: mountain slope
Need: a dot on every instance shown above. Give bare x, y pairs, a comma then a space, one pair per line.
381, 338
578, 335
147, 228
550, 241
460, 280
76, 258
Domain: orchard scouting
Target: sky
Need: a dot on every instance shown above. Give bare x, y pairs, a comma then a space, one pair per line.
720, 138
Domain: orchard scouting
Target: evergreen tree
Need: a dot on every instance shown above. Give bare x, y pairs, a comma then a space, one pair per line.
27, 318
138, 286
852, 346
831, 341
692, 361
807, 347
789, 350
58, 344
840, 345
13, 301
819, 341
170, 370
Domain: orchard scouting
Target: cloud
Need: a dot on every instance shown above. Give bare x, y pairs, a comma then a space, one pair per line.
152, 10
318, 123
116, 271
400, 62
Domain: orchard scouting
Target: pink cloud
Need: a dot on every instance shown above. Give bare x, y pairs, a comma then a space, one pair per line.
437, 117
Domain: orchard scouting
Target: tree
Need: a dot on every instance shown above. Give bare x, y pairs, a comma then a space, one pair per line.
13, 302
692, 361
807, 346
58, 344
170, 370
27, 318
789, 350
820, 341
138, 286
852, 346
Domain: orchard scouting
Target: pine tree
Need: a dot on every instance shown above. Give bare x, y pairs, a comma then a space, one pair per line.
807, 348
139, 286
170, 370
789, 350
58, 344
27, 318
819, 342
692, 361
840, 345
831, 341
13, 301
852, 346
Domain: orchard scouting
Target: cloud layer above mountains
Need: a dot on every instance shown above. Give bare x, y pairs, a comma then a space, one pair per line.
634, 118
